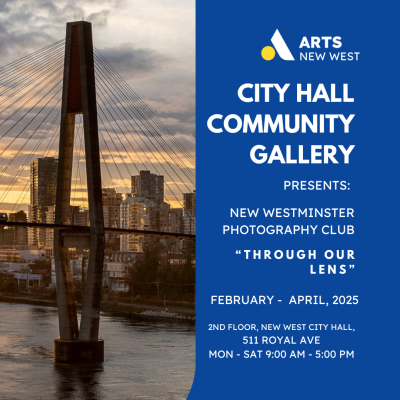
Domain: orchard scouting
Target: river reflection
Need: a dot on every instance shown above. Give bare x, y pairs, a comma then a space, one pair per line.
81, 382
143, 360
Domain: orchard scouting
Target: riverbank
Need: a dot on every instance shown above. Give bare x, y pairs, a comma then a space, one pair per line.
135, 310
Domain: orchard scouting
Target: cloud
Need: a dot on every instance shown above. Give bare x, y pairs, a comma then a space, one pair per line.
126, 58
175, 105
99, 18
28, 25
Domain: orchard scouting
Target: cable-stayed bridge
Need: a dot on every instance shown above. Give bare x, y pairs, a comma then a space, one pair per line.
67, 102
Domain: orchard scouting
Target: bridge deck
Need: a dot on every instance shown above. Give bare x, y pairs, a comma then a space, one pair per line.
86, 229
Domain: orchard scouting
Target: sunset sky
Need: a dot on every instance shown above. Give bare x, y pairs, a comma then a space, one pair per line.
150, 43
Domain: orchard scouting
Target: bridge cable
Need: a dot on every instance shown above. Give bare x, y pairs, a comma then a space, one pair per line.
112, 92
118, 78
157, 159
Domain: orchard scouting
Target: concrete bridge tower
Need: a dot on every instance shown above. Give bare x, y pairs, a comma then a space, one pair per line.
79, 97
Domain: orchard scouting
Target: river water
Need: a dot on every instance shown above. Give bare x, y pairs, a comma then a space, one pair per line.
143, 360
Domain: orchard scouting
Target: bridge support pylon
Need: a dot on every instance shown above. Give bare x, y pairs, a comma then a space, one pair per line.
79, 97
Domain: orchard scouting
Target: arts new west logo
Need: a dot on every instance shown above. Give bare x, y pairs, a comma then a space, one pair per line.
314, 48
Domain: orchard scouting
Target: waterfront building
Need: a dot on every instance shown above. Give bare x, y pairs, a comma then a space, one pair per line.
115, 276
28, 280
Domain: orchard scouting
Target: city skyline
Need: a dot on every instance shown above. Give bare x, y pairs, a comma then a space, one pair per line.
143, 208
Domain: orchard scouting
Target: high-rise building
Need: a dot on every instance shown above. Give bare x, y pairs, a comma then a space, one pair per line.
145, 209
111, 207
111, 212
3, 230
50, 219
79, 216
14, 235
149, 186
43, 187
176, 220
189, 213
43, 182
175, 226
19, 233
189, 203
143, 214
134, 216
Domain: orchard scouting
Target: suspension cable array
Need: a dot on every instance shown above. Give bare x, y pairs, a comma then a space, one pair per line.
132, 137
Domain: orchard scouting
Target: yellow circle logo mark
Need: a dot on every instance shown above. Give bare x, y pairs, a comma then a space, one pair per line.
268, 53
